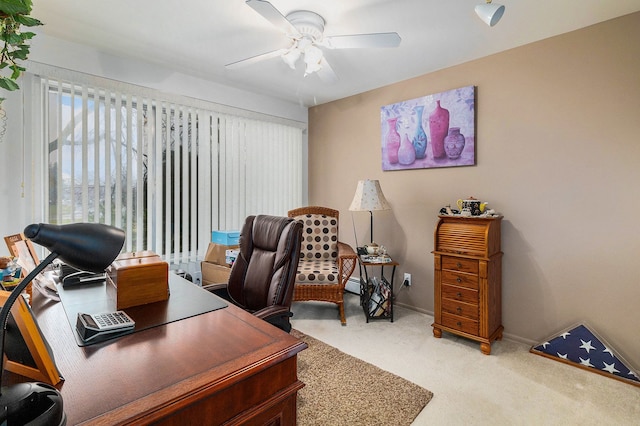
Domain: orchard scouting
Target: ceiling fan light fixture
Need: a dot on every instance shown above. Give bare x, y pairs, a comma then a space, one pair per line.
312, 58
305, 30
490, 13
311, 68
291, 57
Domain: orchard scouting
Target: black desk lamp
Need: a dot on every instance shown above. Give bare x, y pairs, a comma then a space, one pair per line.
86, 246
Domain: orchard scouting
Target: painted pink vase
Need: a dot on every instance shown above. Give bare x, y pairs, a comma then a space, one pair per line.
406, 153
393, 141
438, 129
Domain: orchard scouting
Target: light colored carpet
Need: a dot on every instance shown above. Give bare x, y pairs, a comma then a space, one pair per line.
510, 387
343, 390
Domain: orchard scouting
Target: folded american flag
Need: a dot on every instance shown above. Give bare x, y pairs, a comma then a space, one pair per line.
581, 346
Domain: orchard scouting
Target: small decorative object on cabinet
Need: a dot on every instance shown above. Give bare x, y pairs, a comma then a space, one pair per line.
376, 293
468, 278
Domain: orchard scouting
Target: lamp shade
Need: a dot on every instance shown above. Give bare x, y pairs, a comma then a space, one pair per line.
86, 246
490, 13
369, 197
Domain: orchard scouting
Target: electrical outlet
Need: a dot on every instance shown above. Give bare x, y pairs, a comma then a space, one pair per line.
407, 279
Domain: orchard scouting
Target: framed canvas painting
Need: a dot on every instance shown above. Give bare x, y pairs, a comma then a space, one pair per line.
436, 130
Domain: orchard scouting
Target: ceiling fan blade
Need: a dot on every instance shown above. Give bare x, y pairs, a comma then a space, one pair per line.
252, 60
326, 73
357, 41
272, 15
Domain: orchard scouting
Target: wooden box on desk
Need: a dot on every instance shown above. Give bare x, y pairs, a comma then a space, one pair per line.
137, 279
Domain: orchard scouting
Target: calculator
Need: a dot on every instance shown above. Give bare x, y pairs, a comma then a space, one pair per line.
92, 326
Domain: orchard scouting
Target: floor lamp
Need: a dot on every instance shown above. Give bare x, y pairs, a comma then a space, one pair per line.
86, 246
369, 197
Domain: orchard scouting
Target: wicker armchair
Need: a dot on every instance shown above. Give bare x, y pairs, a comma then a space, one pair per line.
325, 263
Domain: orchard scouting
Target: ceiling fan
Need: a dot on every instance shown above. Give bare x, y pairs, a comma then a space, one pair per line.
305, 30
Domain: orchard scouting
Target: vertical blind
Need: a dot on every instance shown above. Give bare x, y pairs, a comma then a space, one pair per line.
167, 172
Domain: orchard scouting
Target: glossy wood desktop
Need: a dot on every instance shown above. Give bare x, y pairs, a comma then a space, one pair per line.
221, 367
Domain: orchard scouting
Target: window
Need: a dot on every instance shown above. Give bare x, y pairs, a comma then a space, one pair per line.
167, 171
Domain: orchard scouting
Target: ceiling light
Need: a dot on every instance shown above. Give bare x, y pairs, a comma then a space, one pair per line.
291, 57
490, 13
312, 58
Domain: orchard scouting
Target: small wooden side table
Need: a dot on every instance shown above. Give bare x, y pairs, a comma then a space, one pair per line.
376, 293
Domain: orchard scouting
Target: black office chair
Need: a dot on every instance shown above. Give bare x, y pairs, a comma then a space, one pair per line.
262, 277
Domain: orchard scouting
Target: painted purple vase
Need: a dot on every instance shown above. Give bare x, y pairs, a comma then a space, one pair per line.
406, 153
393, 141
454, 143
438, 127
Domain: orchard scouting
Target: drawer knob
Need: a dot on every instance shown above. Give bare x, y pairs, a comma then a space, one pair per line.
459, 294
459, 309
459, 324
459, 280
459, 265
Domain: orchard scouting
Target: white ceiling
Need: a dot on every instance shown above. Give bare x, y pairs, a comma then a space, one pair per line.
199, 37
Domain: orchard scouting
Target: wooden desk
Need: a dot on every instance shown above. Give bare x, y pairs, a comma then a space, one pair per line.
222, 367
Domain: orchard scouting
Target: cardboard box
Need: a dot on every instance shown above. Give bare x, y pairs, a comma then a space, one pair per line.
215, 274
133, 280
227, 238
216, 253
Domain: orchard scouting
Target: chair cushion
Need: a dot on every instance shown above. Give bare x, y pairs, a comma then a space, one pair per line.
319, 237
317, 271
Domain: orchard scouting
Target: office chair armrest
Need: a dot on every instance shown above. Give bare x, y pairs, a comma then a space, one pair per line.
273, 311
277, 315
212, 287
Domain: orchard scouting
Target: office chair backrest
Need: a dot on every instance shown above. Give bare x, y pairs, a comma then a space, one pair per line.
264, 271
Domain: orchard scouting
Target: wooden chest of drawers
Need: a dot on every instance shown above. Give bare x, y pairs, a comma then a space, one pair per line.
468, 279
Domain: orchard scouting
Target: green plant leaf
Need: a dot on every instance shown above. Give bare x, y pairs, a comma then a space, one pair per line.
14, 39
17, 68
28, 35
20, 54
13, 7
14, 14
8, 84
27, 21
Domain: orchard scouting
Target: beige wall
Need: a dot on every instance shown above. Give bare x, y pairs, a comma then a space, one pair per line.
558, 154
